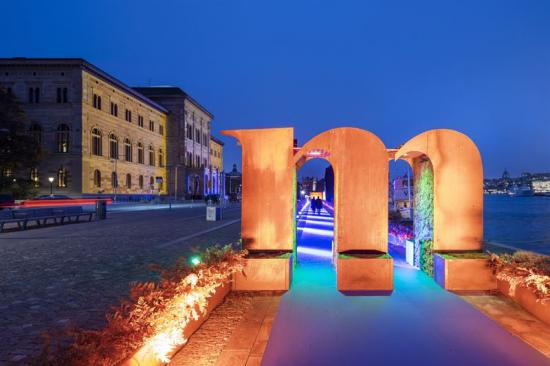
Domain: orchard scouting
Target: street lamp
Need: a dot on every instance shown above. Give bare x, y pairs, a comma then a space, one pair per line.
51, 185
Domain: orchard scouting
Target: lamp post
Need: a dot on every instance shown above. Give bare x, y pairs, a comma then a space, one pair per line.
115, 183
51, 185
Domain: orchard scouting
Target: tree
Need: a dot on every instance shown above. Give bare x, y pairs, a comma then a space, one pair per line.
18, 150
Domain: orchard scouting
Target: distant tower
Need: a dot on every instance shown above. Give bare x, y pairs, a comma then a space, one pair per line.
505, 175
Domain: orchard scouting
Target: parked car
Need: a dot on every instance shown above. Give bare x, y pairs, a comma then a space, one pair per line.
53, 197
6, 201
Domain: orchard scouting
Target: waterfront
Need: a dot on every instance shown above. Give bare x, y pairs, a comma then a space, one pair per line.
520, 222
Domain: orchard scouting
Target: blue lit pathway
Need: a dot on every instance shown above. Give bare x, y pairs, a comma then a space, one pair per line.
419, 324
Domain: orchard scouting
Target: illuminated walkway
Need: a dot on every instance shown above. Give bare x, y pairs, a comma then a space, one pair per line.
418, 324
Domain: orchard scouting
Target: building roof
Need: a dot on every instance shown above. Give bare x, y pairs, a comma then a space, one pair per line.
80, 62
169, 91
217, 140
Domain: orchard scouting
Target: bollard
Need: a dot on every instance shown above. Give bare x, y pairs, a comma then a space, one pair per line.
100, 209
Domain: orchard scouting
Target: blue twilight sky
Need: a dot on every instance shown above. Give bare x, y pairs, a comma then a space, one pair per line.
396, 68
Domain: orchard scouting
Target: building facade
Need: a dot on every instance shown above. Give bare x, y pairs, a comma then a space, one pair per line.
188, 139
98, 135
233, 184
216, 181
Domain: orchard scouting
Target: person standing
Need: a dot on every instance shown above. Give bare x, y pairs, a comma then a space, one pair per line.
313, 204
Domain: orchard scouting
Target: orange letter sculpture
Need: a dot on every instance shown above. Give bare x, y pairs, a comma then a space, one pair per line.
360, 163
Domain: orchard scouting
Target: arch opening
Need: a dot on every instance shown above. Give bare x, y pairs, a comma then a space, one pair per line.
314, 228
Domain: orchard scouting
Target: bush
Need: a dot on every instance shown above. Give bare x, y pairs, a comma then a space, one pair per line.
18, 188
524, 269
426, 257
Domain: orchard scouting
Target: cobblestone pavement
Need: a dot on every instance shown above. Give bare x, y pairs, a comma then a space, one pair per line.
73, 274
235, 334
206, 344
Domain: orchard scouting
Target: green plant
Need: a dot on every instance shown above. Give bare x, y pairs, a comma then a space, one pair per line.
426, 257
423, 200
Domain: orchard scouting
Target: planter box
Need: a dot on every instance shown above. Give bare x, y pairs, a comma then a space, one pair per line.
357, 274
526, 298
264, 274
146, 357
463, 274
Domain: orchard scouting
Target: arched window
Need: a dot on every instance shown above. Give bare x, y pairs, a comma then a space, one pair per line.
36, 132
34, 177
128, 180
97, 142
62, 138
62, 177
114, 180
127, 150
141, 158
113, 146
97, 178
140, 182
161, 158
151, 156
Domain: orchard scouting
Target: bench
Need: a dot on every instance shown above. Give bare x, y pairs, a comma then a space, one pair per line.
41, 216
6, 217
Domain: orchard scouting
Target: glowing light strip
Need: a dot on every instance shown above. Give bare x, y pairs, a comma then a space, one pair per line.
315, 217
304, 207
316, 252
320, 232
319, 223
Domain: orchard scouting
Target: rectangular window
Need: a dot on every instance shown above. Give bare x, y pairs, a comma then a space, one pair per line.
62, 96
161, 129
151, 126
140, 121
97, 102
114, 109
128, 115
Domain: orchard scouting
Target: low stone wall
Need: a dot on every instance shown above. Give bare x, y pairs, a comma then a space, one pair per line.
526, 298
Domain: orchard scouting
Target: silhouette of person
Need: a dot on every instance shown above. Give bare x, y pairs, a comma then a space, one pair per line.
319, 205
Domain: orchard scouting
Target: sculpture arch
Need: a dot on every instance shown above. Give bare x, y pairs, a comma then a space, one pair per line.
360, 163
458, 186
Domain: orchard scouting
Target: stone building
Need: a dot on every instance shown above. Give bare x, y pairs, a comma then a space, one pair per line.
99, 135
216, 185
188, 138
233, 183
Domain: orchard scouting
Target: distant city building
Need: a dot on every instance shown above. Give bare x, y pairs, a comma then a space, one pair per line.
541, 187
233, 183
402, 194
527, 184
216, 166
98, 135
188, 139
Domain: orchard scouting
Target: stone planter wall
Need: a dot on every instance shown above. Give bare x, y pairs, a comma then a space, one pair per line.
356, 274
463, 274
526, 298
146, 357
264, 274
